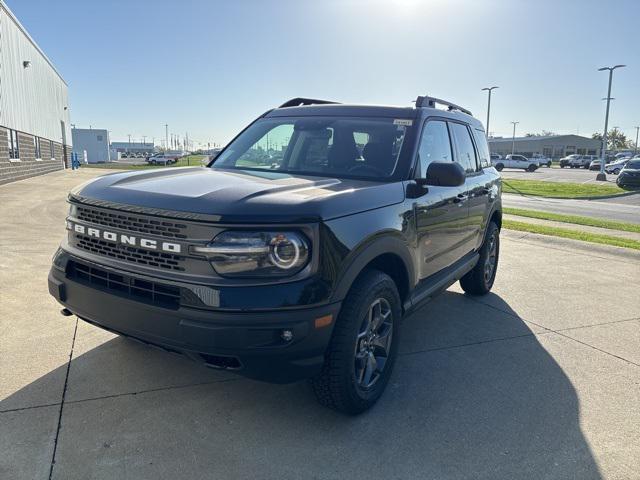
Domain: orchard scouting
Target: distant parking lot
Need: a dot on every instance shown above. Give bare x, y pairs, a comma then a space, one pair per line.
572, 175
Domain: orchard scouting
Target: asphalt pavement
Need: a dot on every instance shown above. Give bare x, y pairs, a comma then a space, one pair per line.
613, 209
553, 174
539, 379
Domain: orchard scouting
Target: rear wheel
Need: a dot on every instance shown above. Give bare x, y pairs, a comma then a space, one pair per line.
480, 279
499, 167
363, 348
531, 168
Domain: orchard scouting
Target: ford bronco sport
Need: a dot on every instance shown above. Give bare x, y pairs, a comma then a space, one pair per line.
298, 250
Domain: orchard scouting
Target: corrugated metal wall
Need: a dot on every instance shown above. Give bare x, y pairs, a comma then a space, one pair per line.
32, 100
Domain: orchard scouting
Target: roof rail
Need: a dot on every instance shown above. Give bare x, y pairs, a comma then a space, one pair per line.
425, 101
296, 102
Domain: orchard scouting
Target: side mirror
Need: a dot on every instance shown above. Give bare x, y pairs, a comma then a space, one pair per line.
445, 174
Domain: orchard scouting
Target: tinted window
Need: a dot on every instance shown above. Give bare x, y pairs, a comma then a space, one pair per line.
434, 145
483, 149
634, 165
464, 147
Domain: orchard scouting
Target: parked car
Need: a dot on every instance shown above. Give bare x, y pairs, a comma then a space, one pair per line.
615, 167
300, 270
516, 161
163, 158
630, 175
582, 161
564, 161
542, 160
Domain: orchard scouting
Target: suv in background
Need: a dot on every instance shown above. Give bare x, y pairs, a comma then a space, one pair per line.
516, 161
581, 161
302, 267
616, 166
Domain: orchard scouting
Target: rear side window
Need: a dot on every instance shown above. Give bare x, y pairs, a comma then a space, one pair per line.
464, 147
484, 158
434, 145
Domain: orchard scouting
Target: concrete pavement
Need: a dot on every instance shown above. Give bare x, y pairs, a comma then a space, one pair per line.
540, 379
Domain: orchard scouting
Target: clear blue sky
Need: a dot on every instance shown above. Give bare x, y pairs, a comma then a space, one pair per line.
209, 67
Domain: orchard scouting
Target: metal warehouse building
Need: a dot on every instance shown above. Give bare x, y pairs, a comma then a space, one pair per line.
95, 142
34, 114
552, 146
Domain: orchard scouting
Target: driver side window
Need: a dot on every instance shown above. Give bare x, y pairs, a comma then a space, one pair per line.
434, 145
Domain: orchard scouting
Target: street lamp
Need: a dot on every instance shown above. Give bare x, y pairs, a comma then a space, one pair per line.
602, 176
489, 89
513, 138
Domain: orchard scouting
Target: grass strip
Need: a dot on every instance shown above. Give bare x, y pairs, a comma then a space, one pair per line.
559, 189
575, 219
571, 234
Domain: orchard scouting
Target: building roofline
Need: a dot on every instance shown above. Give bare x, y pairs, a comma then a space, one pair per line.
15, 20
539, 138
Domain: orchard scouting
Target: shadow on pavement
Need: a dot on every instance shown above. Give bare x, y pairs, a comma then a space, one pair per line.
474, 395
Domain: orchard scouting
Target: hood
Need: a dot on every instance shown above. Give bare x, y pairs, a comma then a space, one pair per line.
242, 195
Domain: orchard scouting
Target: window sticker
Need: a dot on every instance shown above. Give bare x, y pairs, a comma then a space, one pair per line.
403, 121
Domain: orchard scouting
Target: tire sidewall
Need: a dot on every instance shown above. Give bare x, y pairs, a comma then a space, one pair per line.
384, 289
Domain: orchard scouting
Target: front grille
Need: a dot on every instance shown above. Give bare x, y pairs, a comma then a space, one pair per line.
166, 296
167, 261
132, 222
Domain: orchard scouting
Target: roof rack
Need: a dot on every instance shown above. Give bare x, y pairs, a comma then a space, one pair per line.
297, 102
425, 101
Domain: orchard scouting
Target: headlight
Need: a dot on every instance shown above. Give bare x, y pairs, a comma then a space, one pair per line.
257, 254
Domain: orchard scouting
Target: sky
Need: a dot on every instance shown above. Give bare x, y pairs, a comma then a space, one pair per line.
209, 67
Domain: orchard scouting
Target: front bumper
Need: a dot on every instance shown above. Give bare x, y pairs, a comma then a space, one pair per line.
250, 343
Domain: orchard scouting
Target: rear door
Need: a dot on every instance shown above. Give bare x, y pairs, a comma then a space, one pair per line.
476, 187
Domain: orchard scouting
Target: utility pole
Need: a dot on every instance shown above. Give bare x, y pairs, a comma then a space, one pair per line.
166, 136
513, 138
636, 149
602, 176
489, 89
129, 144
144, 140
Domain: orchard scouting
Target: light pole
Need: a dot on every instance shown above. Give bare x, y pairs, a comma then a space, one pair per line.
513, 138
635, 152
488, 89
602, 176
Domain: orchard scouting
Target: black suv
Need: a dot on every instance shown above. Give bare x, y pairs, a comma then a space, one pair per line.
298, 250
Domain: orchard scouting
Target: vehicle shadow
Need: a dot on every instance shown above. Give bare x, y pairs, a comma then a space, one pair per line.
474, 395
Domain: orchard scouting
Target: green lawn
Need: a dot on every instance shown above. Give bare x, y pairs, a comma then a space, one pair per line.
189, 160
572, 234
575, 219
559, 189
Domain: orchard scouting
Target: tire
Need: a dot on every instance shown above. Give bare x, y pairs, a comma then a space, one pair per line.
342, 384
562, 166
480, 279
616, 171
531, 168
499, 167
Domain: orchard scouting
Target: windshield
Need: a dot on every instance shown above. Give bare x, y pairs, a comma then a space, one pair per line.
328, 146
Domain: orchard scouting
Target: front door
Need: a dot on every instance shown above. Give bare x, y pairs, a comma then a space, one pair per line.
442, 214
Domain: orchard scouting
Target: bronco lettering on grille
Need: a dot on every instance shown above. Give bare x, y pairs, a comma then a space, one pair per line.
125, 239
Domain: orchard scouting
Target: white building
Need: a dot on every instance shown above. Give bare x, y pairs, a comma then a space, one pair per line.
95, 142
34, 113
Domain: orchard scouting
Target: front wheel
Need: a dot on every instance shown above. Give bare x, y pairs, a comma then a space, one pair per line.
363, 347
479, 280
499, 167
616, 171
